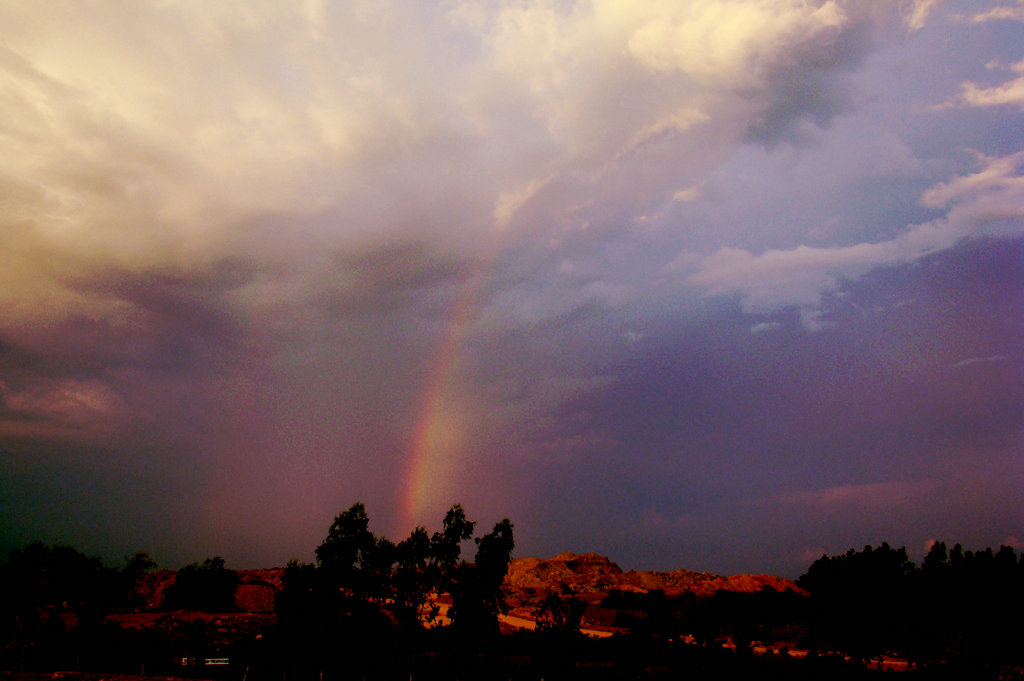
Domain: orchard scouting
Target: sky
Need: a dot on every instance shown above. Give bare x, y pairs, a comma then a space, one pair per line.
720, 285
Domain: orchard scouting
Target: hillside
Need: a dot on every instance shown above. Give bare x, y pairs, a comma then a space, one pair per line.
592, 573
610, 595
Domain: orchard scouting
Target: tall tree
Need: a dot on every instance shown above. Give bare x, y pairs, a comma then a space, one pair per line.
476, 589
348, 547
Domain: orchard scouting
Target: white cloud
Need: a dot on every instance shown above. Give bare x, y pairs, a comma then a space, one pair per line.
714, 42
688, 194
778, 278
1010, 92
764, 327
1000, 13
978, 360
509, 202
919, 13
988, 202
997, 174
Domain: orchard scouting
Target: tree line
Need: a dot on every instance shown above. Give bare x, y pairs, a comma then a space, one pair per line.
366, 600
360, 604
958, 604
366, 605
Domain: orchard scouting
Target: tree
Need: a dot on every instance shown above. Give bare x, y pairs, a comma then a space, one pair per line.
39, 578
476, 589
135, 567
853, 596
208, 587
937, 560
412, 580
560, 613
413, 552
348, 547
139, 563
446, 545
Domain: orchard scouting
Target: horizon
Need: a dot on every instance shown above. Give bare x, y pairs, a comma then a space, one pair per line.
467, 552
696, 285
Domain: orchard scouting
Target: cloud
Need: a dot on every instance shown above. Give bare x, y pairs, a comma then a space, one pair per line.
919, 14
710, 41
1010, 92
303, 135
978, 360
873, 496
691, 193
999, 13
988, 202
58, 409
777, 278
765, 327
998, 174
244, 243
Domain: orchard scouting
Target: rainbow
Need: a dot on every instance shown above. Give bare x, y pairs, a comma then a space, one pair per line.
435, 450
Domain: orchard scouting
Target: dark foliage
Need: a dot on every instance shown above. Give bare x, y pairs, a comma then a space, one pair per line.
560, 614
954, 607
358, 612
53, 605
208, 586
39, 585
476, 588
362, 607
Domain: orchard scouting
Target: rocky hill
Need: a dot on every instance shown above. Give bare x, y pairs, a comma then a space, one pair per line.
589, 573
255, 593
606, 590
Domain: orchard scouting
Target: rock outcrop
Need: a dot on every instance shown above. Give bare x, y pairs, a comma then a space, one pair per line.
589, 573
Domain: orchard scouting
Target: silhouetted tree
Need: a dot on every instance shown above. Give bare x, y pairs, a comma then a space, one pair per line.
138, 564
351, 611
559, 614
952, 608
53, 602
414, 551
476, 588
348, 548
853, 595
208, 586
300, 597
446, 545
38, 578
937, 560
412, 580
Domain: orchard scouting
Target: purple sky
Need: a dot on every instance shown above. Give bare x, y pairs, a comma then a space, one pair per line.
714, 284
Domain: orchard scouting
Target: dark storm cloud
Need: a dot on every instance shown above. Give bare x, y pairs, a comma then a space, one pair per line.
812, 86
393, 278
184, 322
